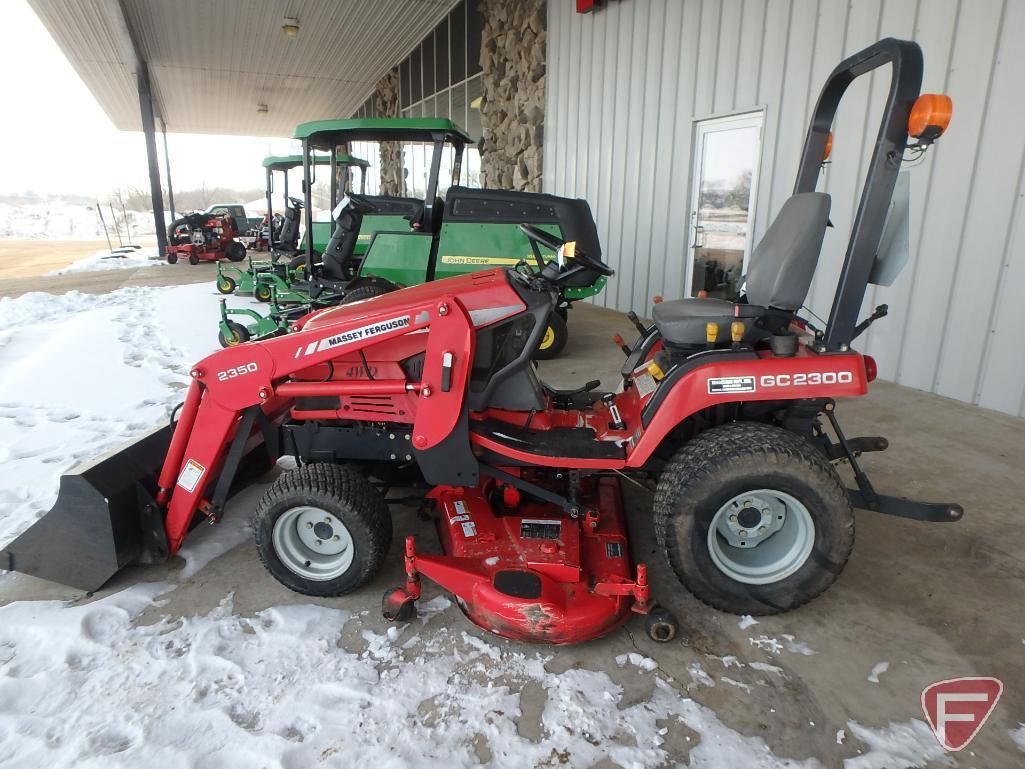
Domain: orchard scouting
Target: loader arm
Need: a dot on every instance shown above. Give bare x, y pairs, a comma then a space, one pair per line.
235, 379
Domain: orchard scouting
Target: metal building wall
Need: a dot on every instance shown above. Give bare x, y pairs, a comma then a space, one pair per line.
626, 83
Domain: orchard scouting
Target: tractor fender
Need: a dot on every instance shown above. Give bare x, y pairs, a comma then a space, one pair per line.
735, 377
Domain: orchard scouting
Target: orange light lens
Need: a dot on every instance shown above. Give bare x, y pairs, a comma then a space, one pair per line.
930, 110
829, 147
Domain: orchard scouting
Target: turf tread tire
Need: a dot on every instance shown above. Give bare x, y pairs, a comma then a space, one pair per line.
694, 475
368, 291
348, 495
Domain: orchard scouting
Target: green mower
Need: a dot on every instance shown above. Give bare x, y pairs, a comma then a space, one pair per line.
418, 237
262, 276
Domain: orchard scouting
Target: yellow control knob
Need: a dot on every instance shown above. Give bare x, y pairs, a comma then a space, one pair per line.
737, 330
656, 371
711, 332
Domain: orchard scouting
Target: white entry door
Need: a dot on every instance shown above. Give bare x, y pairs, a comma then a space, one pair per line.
726, 153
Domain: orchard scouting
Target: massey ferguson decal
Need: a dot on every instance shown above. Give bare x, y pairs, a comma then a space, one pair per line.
355, 335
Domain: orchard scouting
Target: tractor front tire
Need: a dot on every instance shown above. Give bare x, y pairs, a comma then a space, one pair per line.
368, 291
239, 335
172, 258
753, 519
193, 260
235, 251
322, 530
553, 341
225, 284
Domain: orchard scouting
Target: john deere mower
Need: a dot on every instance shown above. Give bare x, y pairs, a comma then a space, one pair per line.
728, 408
277, 273
413, 240
203, 236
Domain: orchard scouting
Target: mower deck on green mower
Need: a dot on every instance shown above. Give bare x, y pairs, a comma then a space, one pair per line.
277, 320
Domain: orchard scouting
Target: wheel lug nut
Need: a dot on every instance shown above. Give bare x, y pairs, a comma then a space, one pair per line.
309, 525
327, 520
747, 503
319, 542
743, 533
762, 529
733, 519
336, 538
766, 511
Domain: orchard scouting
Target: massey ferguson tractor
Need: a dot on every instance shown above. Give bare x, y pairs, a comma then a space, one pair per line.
726, 408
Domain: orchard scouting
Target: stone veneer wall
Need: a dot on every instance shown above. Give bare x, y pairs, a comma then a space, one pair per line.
513, 58
386, 104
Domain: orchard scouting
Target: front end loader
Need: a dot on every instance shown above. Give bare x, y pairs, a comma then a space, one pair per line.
724, 407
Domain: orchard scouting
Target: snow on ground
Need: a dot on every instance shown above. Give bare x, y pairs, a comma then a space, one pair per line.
82, 373
104, 260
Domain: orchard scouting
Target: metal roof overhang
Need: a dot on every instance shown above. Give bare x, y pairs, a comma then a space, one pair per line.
212, 63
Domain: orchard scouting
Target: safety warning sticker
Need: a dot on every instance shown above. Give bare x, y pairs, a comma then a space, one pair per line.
191, 475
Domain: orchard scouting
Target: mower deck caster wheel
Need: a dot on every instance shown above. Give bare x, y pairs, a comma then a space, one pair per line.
398, 606
226, 285
172, 258
660, 625
263, 293
193, 259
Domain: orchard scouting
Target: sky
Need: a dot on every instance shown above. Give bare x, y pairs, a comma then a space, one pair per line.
49, 113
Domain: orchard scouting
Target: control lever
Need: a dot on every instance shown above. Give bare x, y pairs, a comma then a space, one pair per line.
618, 340
637, 323
880, 312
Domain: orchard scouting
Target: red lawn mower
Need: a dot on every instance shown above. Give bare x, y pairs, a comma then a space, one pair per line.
721, 407
204, 236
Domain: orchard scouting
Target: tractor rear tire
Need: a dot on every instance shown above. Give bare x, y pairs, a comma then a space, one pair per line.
226, 285
753, 519
322, 530
553, 342
235, 251
262, 292
239, 335
193, 260
368, 291
172, 258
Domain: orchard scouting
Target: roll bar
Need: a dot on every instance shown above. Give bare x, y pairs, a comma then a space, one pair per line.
905, 58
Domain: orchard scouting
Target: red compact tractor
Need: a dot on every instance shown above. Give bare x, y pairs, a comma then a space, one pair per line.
204, 236
721, 406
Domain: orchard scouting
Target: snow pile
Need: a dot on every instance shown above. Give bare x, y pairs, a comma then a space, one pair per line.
81, 373
58, 220
104, 260
897, 746
83, 686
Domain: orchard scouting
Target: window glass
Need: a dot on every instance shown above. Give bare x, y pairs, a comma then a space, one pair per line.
428, 64
457, 41
404, 96
441, 53
474, 23
416, 92
474, 89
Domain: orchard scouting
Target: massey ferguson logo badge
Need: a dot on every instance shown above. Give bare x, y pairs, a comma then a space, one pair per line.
958, 707
355, 335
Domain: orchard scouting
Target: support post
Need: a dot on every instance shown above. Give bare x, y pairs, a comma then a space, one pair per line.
167, 169
149, 131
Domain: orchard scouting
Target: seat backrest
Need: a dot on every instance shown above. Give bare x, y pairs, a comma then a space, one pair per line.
340, 249
288, 238
783, 263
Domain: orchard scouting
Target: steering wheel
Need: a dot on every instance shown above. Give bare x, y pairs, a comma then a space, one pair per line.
360, 204
537, 235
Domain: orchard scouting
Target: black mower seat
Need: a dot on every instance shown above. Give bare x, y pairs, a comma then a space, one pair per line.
782, 266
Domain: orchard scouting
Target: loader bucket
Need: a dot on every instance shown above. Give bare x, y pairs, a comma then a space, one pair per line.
105, 518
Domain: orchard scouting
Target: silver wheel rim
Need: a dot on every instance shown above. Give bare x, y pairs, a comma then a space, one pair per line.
312, 543
761, 536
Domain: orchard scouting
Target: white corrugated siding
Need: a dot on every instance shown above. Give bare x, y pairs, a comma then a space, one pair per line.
211, 63
625, 84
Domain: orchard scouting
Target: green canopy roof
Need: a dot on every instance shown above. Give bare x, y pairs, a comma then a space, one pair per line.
326, 133
285, 162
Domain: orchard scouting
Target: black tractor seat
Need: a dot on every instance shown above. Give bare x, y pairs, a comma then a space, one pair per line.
782, 266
